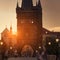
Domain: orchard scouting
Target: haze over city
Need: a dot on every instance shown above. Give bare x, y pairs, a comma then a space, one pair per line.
51, 14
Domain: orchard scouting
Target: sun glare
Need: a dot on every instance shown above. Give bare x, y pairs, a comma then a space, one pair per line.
14, 33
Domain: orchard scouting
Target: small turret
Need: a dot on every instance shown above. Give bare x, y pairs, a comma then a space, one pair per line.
11, 29
39, 4
17, 4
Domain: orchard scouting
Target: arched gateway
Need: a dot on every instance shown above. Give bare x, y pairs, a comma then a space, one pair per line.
27, 51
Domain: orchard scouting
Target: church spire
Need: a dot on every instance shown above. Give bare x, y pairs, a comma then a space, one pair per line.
11, 28
27, 4
36, 3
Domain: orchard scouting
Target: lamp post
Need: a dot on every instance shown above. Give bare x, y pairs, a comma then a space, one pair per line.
1, 43
57, 50
10, 51
1, 50
57, 40
49, 43
1, 47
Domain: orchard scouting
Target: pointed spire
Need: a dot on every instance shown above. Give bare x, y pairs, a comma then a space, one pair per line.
17, 4
11, 28
6, 26
36, 3
27, 4
39, 3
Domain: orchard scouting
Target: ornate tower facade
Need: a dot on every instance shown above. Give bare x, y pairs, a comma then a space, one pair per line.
29, 24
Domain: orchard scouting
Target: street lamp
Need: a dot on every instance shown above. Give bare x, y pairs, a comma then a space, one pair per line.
49, 43
36, 51
11, 48
57, 40
39, 47
1, 43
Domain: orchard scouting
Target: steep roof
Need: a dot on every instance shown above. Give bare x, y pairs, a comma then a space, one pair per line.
5, 31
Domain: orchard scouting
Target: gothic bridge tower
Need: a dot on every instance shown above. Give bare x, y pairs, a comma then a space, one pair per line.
29, 24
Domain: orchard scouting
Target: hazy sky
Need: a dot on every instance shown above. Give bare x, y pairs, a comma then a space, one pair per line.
51, 14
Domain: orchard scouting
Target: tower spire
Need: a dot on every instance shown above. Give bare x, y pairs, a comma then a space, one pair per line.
39, 3
17, 4
36, 3
27, 4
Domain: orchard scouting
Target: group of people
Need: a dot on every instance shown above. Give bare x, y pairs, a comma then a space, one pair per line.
41, 55
28, 52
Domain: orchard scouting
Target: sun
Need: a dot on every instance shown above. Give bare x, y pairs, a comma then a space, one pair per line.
14, 32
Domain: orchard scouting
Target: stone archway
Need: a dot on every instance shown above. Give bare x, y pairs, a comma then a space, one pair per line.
27, 51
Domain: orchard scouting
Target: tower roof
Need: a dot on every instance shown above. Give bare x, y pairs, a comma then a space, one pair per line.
17, 4
39, 4
27, 4
5, 31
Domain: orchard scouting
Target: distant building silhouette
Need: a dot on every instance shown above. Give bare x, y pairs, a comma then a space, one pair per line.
29, 24
8, 38
5, 36
50, 40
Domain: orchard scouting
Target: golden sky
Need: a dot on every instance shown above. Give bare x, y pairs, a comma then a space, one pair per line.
51, 14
